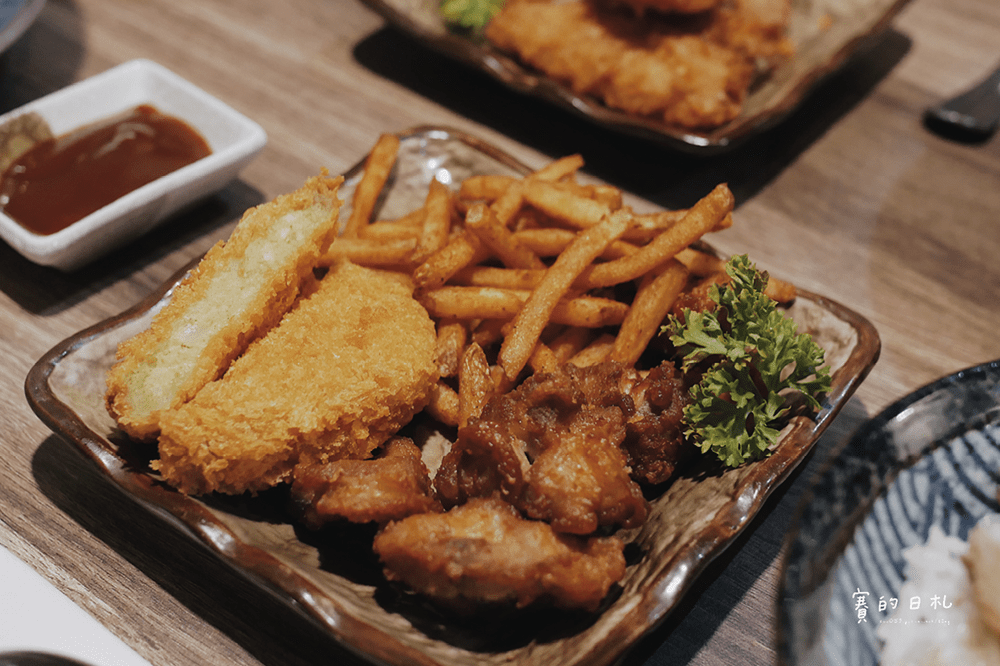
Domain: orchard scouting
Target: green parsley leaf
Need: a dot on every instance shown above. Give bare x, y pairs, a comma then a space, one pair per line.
755, 356
470, 14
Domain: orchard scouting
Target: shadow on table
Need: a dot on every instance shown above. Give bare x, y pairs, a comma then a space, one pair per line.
245, 612
655, 172
45, 291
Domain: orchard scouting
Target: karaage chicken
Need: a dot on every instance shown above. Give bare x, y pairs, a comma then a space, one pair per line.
485, 552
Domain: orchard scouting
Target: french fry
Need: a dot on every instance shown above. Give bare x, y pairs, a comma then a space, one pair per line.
452, 336
699, 220
537, 311
371, 252
409, 227
444, 404
488, 332
459, 252
543, 360
475, 384
700, 263
437, 220
550, 241
570, 342
505, 206
487, 187
378, 166
595, 352
470, 303
567, 205
703, 264
780, 291
652, 302
558, 169
514, 254
504, 278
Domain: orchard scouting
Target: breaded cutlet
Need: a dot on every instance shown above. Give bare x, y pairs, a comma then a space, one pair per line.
350, 364
239, 290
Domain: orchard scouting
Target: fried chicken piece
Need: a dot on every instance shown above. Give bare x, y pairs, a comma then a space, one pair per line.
390, 487
543, 446
339, 375
689, 70
238, 291
485, 552
654, 444
552, 453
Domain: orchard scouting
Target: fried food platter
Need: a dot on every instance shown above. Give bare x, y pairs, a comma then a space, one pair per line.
692, 520
826, 33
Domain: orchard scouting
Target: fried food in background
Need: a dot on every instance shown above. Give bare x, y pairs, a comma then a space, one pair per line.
349, 365
485, 552
216, 312
690, 70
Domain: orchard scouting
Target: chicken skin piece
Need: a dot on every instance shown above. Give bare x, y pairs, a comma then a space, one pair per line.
390, 487
485, 552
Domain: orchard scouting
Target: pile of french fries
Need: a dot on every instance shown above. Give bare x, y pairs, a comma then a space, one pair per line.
531, 263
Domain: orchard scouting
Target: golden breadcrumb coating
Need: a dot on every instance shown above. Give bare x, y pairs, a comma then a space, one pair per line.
349, 365
238, 291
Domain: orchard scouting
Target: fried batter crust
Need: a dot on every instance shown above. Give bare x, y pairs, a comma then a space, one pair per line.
342, 372
238, 291
390, 487
485, 552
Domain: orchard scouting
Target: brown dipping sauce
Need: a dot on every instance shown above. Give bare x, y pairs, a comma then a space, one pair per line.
60, 181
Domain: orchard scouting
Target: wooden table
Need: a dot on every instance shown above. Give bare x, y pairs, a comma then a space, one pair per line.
851, 197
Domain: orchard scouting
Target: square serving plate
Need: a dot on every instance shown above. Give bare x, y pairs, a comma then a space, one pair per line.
691, 521
234, 139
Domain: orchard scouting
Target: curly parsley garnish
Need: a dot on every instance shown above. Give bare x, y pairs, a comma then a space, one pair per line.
755, 357
470, 14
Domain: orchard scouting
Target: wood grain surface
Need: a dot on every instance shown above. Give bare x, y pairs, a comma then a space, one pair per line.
850, 197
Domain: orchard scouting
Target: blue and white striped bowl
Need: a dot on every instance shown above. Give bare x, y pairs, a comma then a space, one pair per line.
932, 458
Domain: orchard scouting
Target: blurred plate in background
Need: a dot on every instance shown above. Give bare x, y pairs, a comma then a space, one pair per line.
825, 33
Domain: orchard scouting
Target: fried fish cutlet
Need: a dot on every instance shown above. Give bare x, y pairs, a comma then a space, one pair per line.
346, 367
239, 290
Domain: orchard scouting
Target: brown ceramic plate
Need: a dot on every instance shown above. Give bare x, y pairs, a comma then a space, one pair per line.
826, 34
692, 521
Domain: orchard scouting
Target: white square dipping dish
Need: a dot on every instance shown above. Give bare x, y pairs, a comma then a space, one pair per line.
233, 138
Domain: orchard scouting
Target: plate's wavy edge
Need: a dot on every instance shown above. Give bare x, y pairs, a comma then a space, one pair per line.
847, 527
770, 473
522, 79
291, 588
